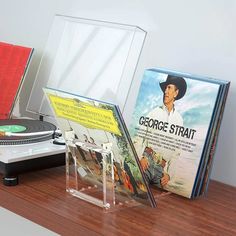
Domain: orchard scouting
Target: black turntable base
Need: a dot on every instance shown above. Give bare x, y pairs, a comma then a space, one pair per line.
27, 145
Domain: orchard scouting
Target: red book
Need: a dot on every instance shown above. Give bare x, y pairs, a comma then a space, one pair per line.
14, 61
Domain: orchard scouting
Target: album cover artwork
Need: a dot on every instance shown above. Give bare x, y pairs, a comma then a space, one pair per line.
94, 131
173, 128
14, 61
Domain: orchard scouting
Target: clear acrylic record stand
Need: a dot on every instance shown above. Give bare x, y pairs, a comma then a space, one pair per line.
95, 59
90, 179
91, 176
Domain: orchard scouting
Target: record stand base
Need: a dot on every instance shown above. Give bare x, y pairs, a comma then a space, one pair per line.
94, 183
94, 195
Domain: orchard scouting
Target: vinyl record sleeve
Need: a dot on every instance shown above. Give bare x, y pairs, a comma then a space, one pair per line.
208, 165
176, 142
14, 61
97, 123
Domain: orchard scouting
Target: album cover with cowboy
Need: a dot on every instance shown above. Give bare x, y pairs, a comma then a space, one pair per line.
174, 128
97, 138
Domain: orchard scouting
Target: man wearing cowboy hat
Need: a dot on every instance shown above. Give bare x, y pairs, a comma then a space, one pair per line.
174, 88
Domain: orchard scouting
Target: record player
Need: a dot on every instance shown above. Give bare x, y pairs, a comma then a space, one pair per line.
87, 57
25, 144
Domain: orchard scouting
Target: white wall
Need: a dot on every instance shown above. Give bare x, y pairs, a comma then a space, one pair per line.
197, 37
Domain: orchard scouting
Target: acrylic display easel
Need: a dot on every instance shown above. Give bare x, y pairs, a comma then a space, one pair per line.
93, 178
94, 182
83, 182
95, 59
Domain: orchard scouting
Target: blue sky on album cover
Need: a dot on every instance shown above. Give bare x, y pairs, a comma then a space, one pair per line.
195, 107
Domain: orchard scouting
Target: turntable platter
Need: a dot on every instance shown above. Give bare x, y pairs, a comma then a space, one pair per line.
23, 131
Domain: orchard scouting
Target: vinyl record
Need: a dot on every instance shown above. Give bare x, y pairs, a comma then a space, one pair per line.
22, 131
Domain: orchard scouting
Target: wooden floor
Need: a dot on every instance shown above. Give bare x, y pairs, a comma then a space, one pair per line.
41, 197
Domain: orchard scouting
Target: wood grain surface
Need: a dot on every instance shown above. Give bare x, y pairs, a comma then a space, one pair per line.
41, 198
